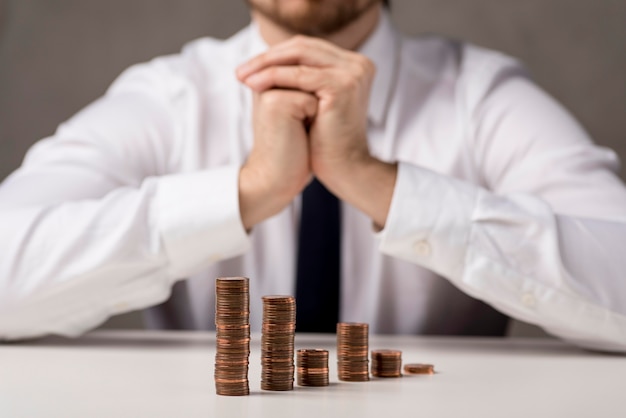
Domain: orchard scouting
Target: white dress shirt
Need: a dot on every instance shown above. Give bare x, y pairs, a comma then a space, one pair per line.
501, 197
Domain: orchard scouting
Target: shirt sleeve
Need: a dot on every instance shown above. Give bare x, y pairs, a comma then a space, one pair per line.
94, 224
542, 239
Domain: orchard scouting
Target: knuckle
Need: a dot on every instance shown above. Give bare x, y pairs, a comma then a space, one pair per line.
306, 104
259, 61
300, 40
365, 66
300, 72
309, 101
349, 82
270, 73
300, 99
272, 99
282, 102
369, 65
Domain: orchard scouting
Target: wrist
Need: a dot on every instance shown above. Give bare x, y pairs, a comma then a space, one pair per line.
366, 183
347, 173
258, 199
336, 169
256, 203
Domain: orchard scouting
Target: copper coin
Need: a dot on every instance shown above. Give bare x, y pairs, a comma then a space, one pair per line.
312, 367
352, 351
418, 368
232, 319
387, 363
277, 342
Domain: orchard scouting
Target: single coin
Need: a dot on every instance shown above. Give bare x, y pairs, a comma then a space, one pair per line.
418, 368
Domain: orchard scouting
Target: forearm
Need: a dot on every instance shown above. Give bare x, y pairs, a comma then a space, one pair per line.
67, 267
509, 251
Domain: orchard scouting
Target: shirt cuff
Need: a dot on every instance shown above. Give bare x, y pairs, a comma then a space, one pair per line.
429, 220
198, 219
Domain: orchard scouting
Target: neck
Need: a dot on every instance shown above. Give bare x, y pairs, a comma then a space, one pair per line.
351, 37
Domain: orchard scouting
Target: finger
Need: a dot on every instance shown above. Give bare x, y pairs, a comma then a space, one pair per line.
299, 50
300, 105
307, 103
297, 77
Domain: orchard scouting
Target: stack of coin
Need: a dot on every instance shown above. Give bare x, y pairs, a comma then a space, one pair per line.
386, 363
352, 350
312, 367
232, 321
277, 342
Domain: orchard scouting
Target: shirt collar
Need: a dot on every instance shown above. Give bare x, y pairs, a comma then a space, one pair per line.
381, 48
257, 45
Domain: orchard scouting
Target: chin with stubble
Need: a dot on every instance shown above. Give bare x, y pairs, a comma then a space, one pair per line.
312, 17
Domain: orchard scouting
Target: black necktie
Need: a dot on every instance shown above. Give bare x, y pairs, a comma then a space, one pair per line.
317, 285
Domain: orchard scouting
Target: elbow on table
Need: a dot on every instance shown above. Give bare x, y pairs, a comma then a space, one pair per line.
21, 316
14, 315
614, 343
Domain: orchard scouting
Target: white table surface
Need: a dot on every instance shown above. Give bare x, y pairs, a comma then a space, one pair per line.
170, 374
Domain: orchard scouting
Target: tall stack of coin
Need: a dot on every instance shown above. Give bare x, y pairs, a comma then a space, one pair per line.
277, 342
386, 363
312, 367
352, 350
232, 320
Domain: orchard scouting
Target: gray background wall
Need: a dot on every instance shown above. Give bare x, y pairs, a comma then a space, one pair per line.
58, 55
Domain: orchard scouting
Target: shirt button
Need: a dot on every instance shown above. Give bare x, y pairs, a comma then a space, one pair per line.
528, 300
121, 306
422, 248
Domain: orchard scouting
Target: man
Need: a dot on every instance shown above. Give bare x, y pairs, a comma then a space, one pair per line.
460, 181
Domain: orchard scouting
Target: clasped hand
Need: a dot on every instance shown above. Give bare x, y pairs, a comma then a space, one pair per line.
310, 118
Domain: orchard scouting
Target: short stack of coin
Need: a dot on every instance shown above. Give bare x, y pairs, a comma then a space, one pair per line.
386, 363
352, 350
232, 321
277, 342
312, 367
